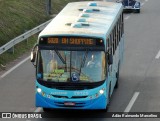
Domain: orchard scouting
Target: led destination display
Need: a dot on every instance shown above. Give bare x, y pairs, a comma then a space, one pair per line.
71, 41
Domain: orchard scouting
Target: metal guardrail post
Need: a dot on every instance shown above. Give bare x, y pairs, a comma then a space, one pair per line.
11, 50
48, 7
27, 38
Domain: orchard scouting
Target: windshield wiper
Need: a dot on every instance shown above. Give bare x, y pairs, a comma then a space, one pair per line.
83, 61
61, 58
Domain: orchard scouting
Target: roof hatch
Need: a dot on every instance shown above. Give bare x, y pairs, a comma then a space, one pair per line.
78, 24
84, 15
92, 4
81, 20
90, 10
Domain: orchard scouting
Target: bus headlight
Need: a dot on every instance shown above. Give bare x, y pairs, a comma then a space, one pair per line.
39, 90
101, 91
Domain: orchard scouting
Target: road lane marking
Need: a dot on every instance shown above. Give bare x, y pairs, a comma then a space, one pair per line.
158, 55
38, 110
128, 108
142, 4
127, 17
13, 68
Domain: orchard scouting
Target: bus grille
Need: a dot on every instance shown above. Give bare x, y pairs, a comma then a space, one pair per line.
73, 97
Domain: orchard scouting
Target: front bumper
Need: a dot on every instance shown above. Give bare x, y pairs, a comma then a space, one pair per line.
97, 103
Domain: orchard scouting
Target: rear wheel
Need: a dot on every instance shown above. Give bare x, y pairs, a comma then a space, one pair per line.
117, 79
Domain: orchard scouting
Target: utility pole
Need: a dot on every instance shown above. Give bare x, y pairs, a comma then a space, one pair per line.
48, 7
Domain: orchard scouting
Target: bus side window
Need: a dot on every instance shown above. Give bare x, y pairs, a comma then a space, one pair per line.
119, 32
108, 52
113, 42
122, 24
116, 35
110, 45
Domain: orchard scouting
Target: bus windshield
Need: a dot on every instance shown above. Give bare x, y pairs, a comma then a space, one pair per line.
71, 66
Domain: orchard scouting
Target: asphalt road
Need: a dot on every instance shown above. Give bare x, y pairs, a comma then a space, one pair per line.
139, 89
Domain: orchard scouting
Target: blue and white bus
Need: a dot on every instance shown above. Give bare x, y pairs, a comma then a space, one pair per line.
78, 56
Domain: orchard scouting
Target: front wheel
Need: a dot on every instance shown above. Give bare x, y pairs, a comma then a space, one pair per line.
117, 79
109, 98
138, 10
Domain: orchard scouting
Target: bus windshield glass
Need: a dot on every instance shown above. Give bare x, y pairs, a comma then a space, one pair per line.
71, 66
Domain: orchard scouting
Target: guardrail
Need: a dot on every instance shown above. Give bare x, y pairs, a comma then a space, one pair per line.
22, 37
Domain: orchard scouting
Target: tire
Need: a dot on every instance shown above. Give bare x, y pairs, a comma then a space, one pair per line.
108, 102
138, 10
109, 97
117, 80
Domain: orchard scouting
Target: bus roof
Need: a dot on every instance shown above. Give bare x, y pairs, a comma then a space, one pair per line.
89, 18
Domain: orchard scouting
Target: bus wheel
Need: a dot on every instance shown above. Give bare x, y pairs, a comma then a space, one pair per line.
46, 109
108, 102
109, 97
117, 80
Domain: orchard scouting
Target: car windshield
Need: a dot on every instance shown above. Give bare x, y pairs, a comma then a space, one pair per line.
71, 66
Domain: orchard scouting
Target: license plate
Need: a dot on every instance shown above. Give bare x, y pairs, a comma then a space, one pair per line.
69, 104
128, 7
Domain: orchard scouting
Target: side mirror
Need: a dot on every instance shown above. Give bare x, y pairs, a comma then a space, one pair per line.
118, 1
110, 59
33, 54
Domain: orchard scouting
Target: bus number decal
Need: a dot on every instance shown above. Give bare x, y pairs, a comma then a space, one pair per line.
80, 93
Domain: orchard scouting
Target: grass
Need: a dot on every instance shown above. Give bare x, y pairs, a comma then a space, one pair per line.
18, 16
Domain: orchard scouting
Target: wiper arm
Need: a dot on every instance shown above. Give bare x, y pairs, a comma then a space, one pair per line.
61, 58
83, 61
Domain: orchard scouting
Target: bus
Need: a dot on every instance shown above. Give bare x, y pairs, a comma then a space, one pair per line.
78, 57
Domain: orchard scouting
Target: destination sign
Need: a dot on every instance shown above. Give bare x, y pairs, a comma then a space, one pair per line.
71, 41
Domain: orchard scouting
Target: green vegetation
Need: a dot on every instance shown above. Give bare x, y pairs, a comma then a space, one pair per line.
18, 16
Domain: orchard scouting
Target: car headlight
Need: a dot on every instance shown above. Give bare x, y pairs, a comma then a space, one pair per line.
137, 5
